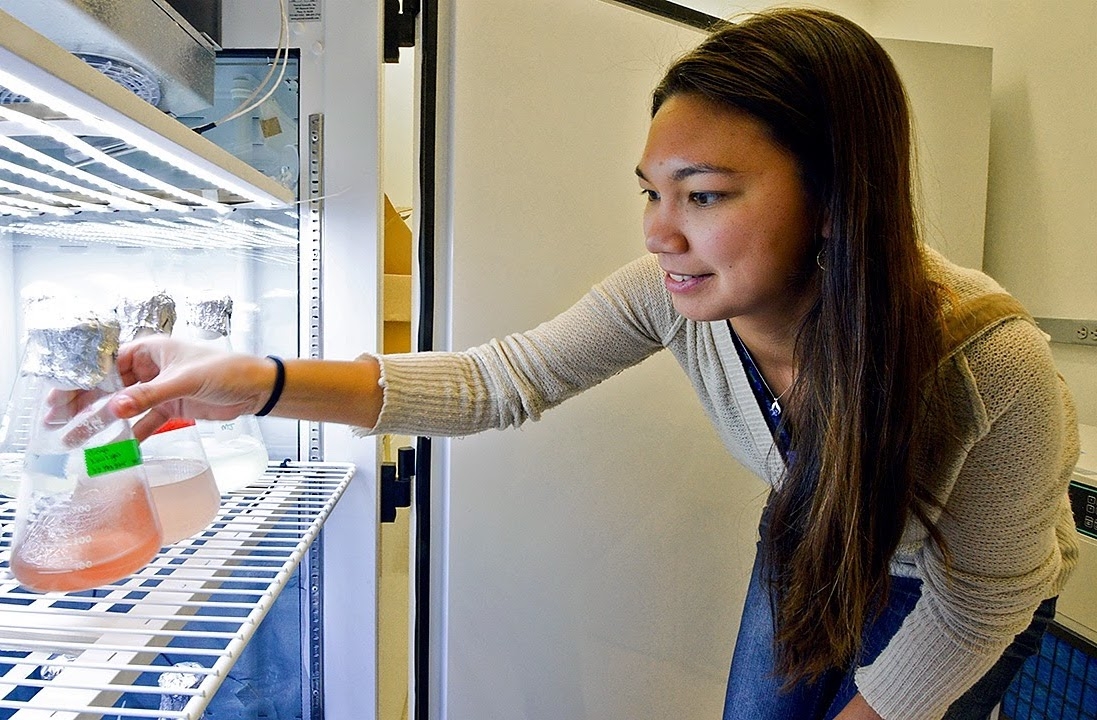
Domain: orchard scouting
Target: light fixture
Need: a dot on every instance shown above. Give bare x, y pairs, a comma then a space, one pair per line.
197, 230
81, 148
117, 196
118, 200
34, 67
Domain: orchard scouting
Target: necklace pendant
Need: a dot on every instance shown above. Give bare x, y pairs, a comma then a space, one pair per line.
775, 408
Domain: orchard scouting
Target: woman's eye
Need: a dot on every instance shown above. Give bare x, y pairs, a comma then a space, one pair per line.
651, 195
704, 199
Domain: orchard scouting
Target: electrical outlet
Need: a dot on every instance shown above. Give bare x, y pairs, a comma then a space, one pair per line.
1066, 330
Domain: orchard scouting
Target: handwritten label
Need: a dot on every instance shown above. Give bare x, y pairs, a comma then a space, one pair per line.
110, 458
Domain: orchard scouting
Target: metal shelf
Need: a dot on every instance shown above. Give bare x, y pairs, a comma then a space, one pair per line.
77, 655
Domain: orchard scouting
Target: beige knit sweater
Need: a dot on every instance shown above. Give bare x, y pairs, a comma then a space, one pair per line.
1006, 519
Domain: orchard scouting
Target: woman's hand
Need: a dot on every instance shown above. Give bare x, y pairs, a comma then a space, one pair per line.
167, 379
172, 379
857, 709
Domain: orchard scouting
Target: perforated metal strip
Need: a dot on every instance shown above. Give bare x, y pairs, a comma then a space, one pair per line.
79, 655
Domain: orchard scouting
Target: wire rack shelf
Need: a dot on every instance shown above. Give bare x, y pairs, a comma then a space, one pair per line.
77, 656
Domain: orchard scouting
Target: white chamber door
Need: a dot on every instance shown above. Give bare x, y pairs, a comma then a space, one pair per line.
340, 51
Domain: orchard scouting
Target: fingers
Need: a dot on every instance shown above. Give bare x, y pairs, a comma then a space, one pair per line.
152, 402
148, 424
178, 380
126, 406
64, 405
136, 399
153, 390
91, 421
143, 365
141, 360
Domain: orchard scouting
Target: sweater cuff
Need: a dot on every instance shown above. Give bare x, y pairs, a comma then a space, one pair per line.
918, 677
423, 396
396, 407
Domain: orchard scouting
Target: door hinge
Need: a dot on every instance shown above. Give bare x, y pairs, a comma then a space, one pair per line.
396, 483
399, 27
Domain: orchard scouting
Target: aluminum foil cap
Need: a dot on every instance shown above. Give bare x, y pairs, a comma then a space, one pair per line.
78, 355
214, 315
146, 316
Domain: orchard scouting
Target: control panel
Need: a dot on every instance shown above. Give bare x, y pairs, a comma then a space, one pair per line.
1077, 608
1083, 501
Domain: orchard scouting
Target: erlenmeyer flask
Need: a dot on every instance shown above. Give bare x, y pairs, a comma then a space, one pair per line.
183, 489
40, 306
14, 433
85, 516
148, 314
235, 448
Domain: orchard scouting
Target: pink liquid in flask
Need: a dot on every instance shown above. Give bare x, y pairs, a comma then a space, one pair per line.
88, 539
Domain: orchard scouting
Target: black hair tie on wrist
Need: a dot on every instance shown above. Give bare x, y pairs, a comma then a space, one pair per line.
279, 383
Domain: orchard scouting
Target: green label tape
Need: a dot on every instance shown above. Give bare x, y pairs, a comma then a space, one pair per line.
110, 458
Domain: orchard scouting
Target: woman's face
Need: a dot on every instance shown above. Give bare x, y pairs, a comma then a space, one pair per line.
727, 214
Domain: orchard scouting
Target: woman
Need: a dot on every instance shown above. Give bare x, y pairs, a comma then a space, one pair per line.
900, 406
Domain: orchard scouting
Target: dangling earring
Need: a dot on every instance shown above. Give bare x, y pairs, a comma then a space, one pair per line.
819, 259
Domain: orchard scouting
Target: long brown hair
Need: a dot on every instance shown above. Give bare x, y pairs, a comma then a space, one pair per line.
829, 93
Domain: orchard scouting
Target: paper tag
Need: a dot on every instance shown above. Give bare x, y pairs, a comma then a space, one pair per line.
270, 126
110, 458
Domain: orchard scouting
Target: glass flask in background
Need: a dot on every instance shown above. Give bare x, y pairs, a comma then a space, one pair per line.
85, 515
14, 433
183, 490
235, 448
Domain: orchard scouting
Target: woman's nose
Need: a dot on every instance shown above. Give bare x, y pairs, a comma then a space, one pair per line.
662, 230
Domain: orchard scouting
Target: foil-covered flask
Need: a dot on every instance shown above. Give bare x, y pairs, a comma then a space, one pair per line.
183, 488
150, 314
85, 515
235, 448
44, 307
41, 306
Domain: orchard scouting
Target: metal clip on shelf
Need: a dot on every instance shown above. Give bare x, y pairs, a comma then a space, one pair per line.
201, 600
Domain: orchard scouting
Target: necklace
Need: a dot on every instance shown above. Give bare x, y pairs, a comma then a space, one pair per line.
775, 406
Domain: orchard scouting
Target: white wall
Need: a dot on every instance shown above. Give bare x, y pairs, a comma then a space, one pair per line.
1041, 224
1041, 213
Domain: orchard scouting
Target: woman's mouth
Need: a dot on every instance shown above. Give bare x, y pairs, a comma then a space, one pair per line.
676, 282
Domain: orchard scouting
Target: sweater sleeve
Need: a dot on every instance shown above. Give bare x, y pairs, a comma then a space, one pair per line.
504, 383
999, 525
